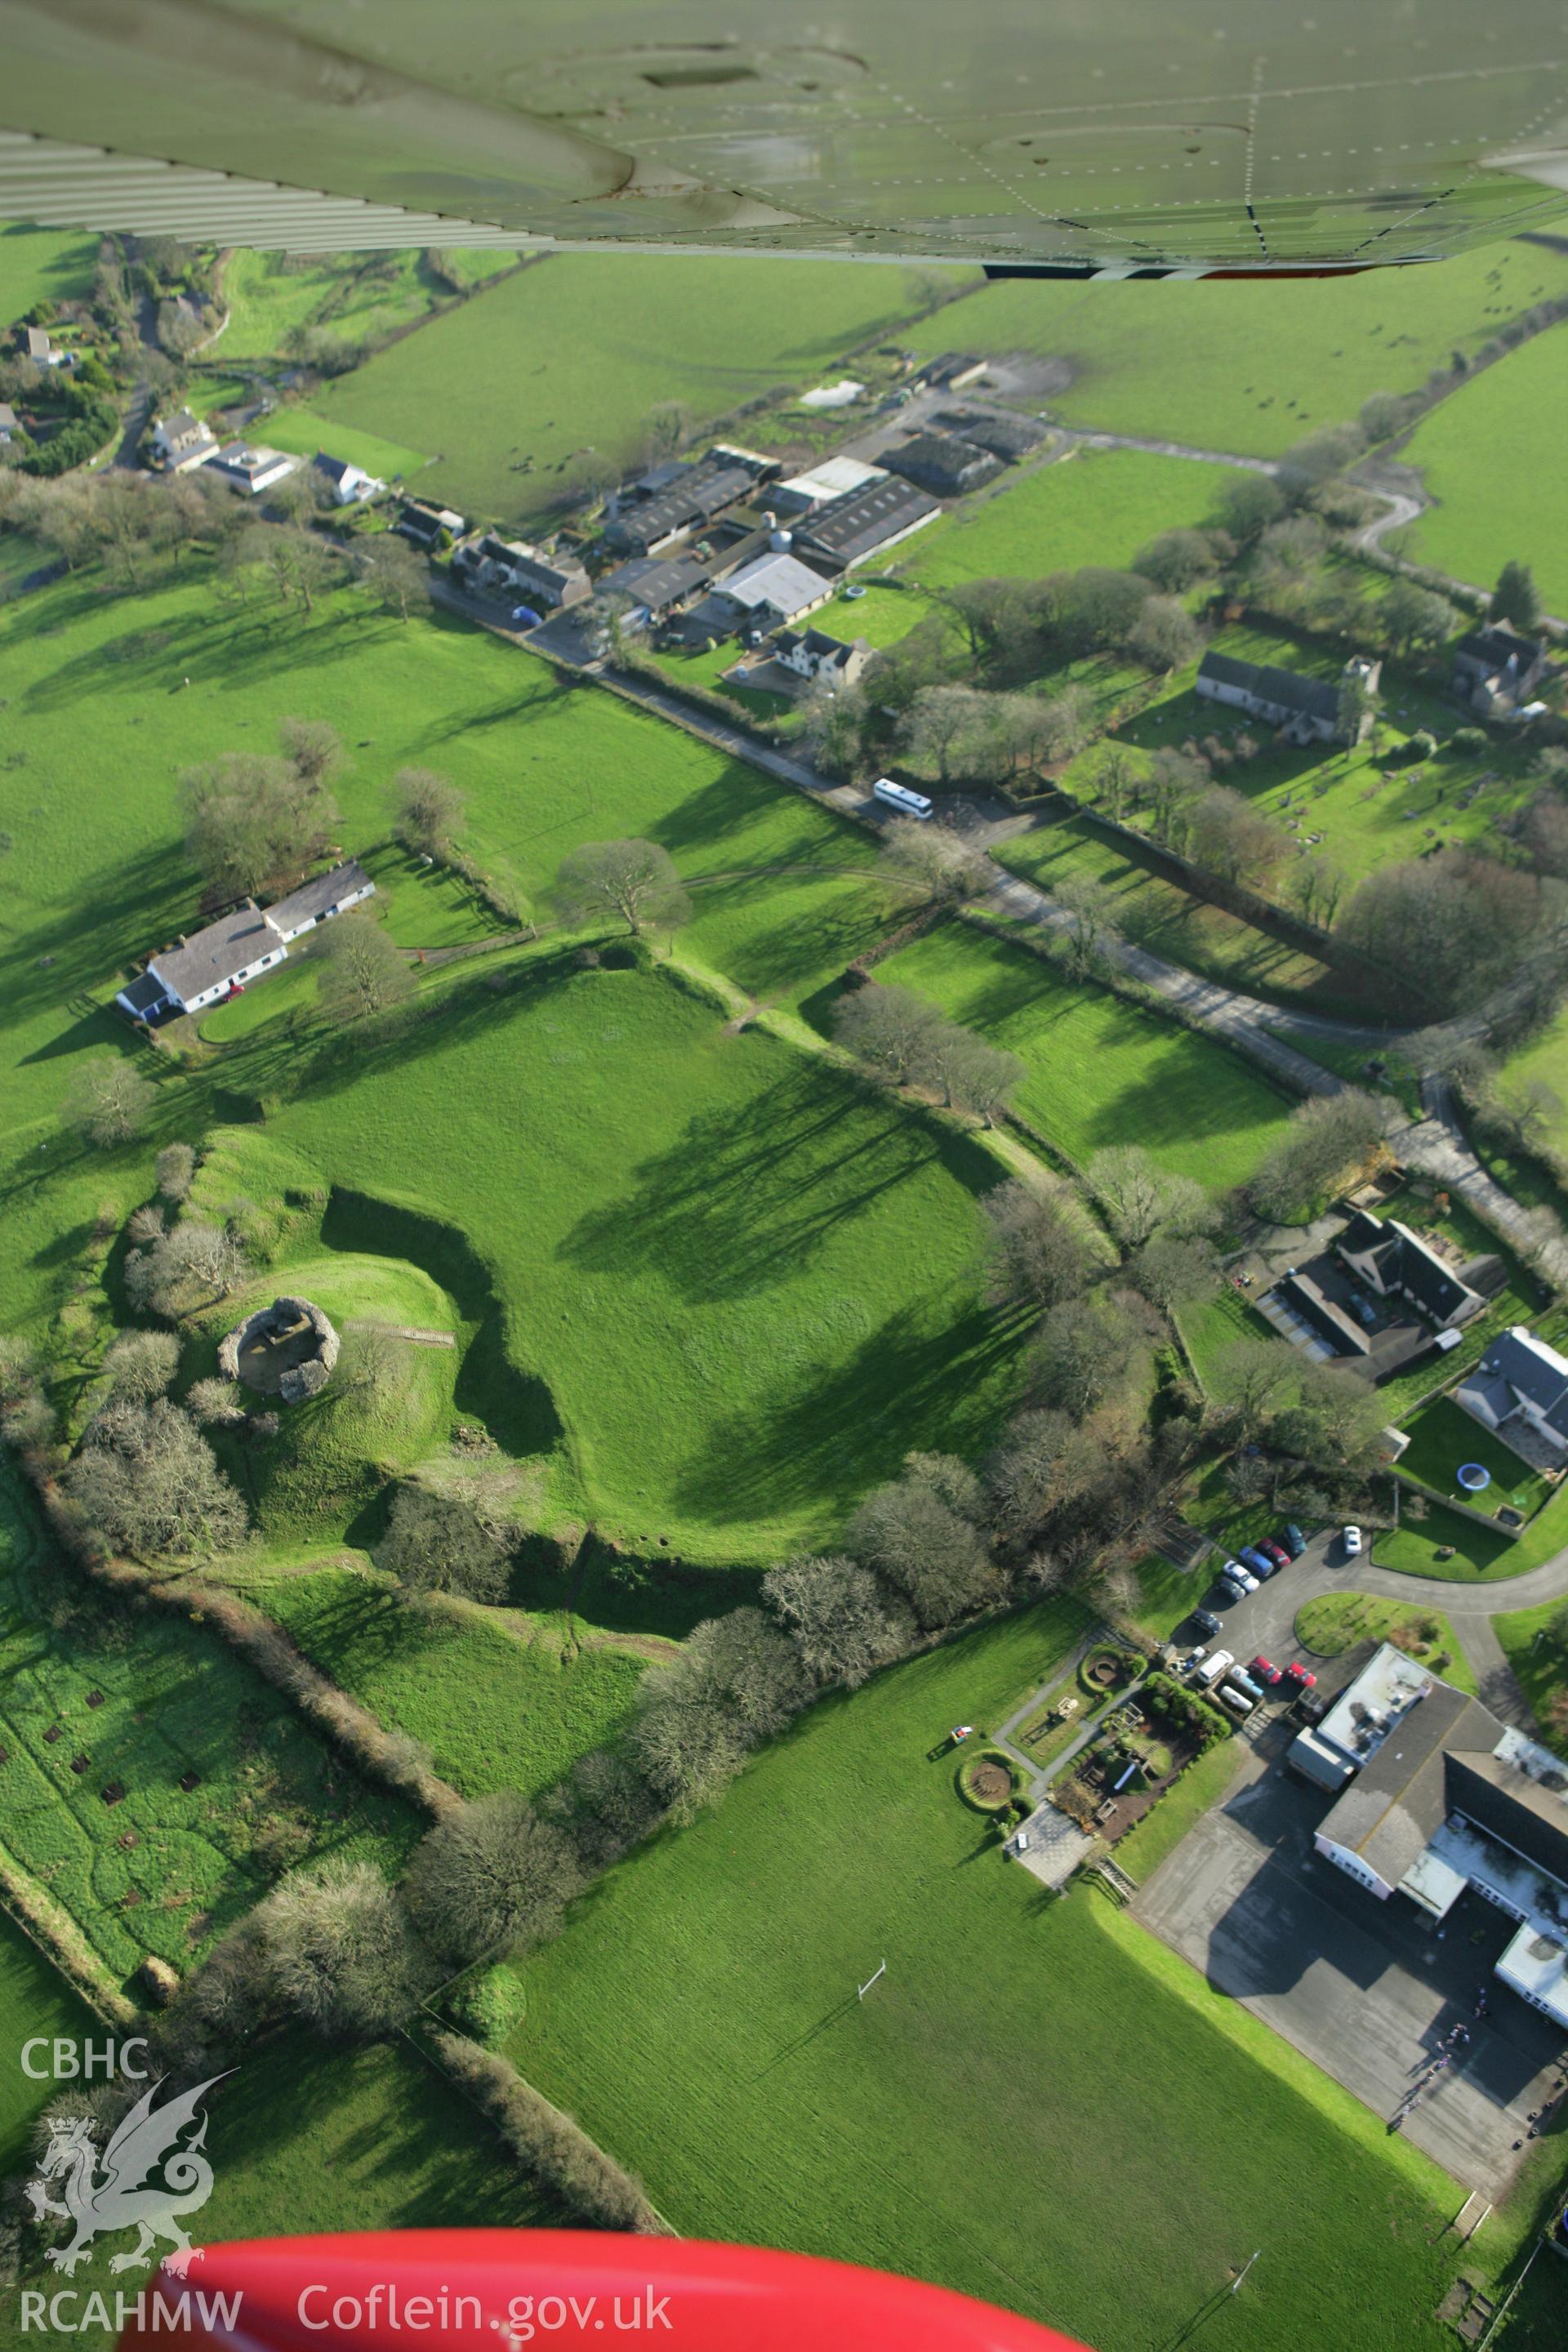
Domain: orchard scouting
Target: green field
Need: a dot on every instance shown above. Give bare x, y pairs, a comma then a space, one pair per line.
1020, 2055
39, 265
304, 431
1097, 506
1441, 1437
1336, 1622
357, 296
586, 347
735, 1289
503, 1700
1250, 368
34, 1999
1484, 515
1168, 920
1098, 1070
164, 1869
1535, 1642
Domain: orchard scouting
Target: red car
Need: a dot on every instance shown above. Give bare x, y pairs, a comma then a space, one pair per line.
1298, 1676
1263, 1669
1276, 1552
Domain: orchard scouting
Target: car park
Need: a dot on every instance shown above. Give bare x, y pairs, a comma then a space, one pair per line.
1263, 1669
1274, 1551
1204, 1620
1352, 1542
1301, 1677
1295, 1542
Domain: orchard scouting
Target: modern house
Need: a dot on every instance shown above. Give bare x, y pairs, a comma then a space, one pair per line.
1305, 709
1495, 670
214, 963
863, 523
424, 523
350, 486
1436, 1795
35, 345
646, 520
180, 442
835, 477
771, 591
1394, 1260
249, 467
8, 423
813, 654
942, 464
509, 567
1520, 1391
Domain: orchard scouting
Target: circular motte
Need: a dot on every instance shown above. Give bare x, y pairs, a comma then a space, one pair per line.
286, 1351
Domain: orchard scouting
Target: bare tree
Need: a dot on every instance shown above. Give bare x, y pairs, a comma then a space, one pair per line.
109, 1101
1141, 1198
339, 1951
842, 1624
496, 1877
313, 750
175, 1167
922, 1533
362, 971
140, 1365
427, 810
634, 880
396, 575
1045, 1464
1085, 1349
1091, 929
1040, 1247
887, 1028
941, 865
251, 820
433, 1543
146, 1480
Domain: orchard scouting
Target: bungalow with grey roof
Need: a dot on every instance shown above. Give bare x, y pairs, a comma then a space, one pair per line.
1305, 709
1394, 1260
1520, 1391
220, 959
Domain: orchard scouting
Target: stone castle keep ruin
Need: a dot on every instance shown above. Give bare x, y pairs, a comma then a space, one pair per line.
287, 1350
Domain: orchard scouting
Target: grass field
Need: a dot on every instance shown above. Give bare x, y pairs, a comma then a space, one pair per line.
1535, 1642
1441, 1437
1065, 2059
587, 346
305, 431
1098, 1069
164, 1869
355, 295
1168, 920
1248, 368
1336, 1622
1478, 523
1095, 506
38, 265
736, 1290
34, 1999
503, 1700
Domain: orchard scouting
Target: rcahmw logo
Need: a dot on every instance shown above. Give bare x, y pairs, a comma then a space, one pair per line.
151, 2175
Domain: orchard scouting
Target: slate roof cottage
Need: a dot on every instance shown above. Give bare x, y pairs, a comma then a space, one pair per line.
198, 972
1305, 709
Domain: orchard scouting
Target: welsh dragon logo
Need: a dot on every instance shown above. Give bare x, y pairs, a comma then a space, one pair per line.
127, 2193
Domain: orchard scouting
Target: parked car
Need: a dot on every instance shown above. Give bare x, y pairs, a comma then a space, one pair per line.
1258, 1561
1277, 1552
1264, 1671
1233, 1573
1301, 1677
1294, 1540
1352, 1542
523, 616
1244, 1683
1206, 1621
1236, 1702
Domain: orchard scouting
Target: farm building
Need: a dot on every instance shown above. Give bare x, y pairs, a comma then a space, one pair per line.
350, 486
1495, 670
773, 590
943, 465
215, 961
181, 441
953, 372
654, 586
834, 478
813, 653
1004, 435
1438, 1796
1520, 1391
509, 567
1305, 710
423, 524
863, 523
249, 467
646, 521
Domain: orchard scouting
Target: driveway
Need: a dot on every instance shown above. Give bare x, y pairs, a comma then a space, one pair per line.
1364, 1990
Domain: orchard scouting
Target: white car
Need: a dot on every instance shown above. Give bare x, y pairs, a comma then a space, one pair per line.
1242, 1577
1352, 1542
